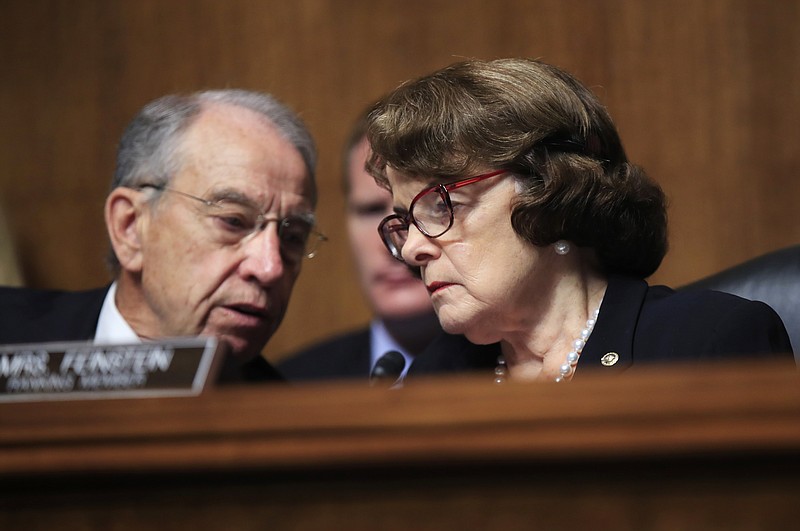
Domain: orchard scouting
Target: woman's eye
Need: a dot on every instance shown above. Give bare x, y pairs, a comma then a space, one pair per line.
441, 206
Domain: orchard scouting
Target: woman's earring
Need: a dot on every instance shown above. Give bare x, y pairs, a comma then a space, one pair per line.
561, 247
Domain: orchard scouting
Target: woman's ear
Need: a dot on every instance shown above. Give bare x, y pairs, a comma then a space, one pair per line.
124, 212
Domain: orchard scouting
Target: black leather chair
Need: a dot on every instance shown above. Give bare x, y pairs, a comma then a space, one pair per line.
773, 278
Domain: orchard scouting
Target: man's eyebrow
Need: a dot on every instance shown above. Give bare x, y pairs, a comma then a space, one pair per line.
368, 205
231, 195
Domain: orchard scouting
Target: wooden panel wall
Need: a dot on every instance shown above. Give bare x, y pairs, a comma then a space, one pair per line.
704, 93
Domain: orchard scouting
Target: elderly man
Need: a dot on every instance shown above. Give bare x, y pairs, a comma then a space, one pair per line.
210, 215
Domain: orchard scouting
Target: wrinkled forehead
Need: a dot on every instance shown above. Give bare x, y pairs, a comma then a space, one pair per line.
237, 149
231, 183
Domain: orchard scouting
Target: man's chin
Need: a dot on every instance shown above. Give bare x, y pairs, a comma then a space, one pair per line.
239, 348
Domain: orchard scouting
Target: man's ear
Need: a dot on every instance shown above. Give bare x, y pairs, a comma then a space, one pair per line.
124, 213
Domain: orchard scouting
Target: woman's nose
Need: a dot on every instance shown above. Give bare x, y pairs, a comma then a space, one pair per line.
418, 248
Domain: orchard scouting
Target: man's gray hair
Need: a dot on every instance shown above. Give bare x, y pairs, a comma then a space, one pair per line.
148, 151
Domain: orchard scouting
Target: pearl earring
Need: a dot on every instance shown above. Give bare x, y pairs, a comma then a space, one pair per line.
561, 247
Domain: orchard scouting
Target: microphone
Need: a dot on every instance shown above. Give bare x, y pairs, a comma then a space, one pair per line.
387, 369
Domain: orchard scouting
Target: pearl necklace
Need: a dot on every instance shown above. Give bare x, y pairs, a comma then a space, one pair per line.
568, 367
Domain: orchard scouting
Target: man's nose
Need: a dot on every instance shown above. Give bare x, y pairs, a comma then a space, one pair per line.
263, 261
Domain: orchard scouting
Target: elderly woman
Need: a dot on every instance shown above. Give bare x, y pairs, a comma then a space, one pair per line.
533, 233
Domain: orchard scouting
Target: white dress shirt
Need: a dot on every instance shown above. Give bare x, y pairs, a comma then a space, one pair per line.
381, 343
111, 326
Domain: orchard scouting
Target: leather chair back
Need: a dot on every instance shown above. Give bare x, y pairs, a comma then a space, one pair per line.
773, 278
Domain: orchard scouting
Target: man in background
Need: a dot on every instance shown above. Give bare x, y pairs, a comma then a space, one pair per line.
404, 320
210, 215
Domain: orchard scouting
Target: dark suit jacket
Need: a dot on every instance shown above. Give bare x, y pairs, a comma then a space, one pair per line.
40, 316
642, 325
344, 356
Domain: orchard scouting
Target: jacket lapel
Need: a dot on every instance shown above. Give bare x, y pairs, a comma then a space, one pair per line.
610, 347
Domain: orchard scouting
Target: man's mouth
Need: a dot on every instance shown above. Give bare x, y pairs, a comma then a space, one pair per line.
251, 310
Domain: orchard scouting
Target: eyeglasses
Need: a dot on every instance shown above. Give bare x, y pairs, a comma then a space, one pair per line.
235, 220
431, 211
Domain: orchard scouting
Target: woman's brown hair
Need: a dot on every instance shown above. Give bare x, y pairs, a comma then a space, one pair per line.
542, 124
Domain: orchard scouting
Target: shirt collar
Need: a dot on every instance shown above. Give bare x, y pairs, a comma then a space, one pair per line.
382, 342
111, 326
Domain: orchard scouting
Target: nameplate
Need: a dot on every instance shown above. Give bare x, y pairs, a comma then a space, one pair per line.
80, 370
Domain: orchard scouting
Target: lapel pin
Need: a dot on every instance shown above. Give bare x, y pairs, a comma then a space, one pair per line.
611, 358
